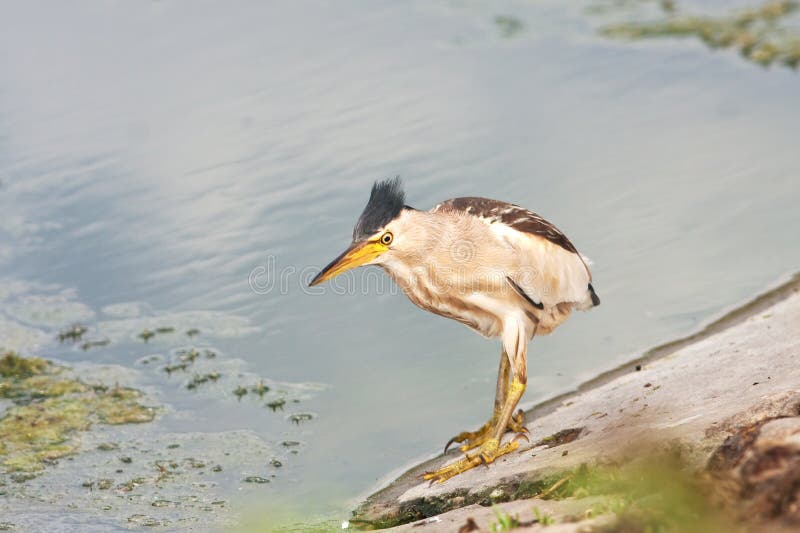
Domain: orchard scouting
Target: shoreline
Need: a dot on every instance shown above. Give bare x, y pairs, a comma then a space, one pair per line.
728, 318
405, 499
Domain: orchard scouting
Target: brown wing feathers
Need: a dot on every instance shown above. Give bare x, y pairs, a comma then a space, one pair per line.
511, 215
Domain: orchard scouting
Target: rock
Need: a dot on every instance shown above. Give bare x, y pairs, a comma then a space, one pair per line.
780, 432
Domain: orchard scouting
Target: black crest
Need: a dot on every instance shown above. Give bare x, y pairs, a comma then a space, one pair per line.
386, 201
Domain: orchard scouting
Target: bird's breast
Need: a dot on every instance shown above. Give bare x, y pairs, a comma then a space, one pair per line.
449, 296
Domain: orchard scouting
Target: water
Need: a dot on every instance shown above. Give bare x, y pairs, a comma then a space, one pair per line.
157, 158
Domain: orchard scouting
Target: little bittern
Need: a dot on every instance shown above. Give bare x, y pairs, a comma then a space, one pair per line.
497, 268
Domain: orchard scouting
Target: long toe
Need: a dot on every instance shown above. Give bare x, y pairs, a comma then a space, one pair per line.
471, 438
475, 439
489, 451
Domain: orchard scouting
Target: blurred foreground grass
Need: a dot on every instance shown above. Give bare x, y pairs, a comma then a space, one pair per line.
653, 493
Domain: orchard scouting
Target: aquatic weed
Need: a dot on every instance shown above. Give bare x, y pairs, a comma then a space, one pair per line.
95, 344
14, 366
72, 333
260, 389
755, 33
50, 411
277, 404
300, 417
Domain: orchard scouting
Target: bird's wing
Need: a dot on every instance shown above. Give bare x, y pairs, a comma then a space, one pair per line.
514, 216
551, 269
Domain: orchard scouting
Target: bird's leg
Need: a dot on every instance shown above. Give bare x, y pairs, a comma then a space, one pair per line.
473, 439
491, 448
481, 434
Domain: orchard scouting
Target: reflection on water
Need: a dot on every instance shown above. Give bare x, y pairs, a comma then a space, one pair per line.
152, 155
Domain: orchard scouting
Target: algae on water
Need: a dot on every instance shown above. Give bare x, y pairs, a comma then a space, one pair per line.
757, 33
12, 365
51, 408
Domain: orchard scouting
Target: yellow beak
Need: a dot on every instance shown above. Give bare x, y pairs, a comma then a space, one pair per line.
360, 253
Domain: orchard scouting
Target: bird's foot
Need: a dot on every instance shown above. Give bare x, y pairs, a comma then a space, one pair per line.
490, 450
473, 439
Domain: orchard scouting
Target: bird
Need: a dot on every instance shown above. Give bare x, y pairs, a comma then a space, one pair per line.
496, 267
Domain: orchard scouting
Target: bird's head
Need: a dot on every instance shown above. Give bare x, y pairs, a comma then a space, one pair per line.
379, 230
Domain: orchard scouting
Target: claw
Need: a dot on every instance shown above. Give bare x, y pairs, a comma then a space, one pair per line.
451, 441
474, 439
517, 421
519, 436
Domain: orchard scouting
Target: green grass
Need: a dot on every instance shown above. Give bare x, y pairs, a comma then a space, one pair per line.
543, 518
653, 493
505, 522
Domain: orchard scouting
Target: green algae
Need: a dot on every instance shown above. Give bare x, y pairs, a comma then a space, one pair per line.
256, 479
147, 334
121, 405
50, 410
146, 521
24, 379
509, 26
14, 366
199, 379
169, 369
135, 481
756, 33
260, 389
188, 356
88, 345
277, 404
38, 434
72, 333
300, 417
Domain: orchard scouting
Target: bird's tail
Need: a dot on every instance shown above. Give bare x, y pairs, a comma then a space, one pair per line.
591, 299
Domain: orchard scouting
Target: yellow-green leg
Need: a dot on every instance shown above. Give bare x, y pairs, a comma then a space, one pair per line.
491, 448
473, 439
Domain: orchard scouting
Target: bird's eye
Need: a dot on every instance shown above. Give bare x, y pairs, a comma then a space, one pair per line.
386, 238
